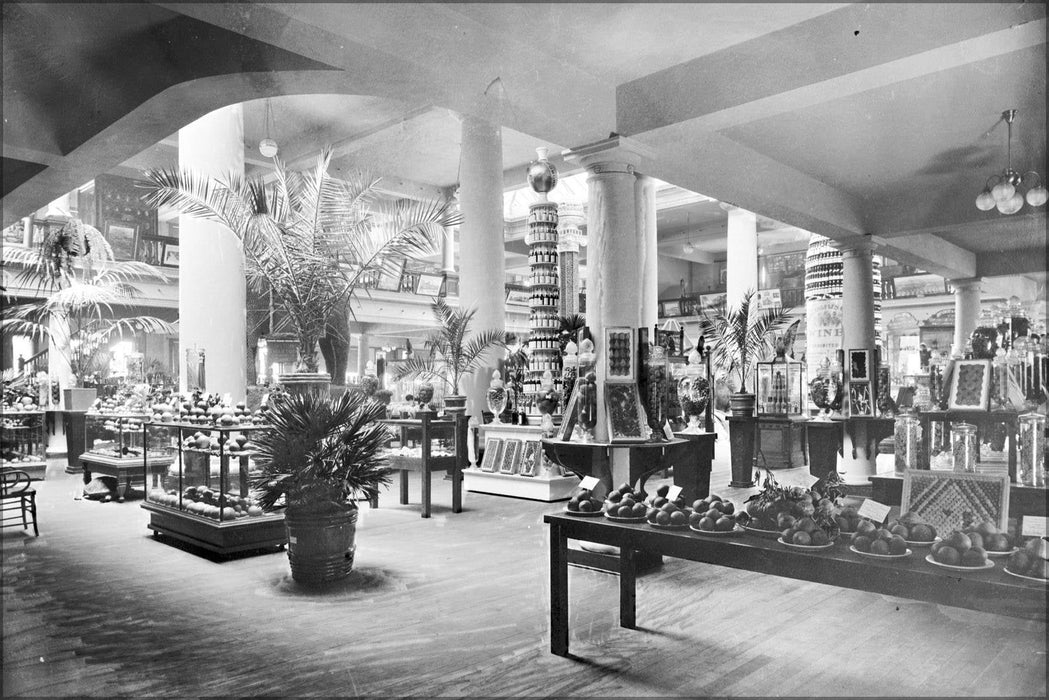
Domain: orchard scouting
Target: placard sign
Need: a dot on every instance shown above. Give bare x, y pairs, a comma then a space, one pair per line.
872, 510
673, 493
802, 479
589, 482
1033, 527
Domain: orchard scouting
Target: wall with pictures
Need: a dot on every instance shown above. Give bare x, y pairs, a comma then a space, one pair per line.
129, 224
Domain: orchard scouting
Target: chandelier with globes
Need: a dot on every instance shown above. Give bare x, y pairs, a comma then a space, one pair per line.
1002, 191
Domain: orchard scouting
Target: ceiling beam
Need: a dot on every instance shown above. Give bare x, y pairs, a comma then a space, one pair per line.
1024, 287
1012, 262
930, 253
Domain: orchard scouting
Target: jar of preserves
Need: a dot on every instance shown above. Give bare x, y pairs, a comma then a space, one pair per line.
907, 441
1031, 450
963, 447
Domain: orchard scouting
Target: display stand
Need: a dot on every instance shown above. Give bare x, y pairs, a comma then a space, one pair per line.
824, 445
781, 442
544, 485
24, 442
74, 424
176, 518
425, 429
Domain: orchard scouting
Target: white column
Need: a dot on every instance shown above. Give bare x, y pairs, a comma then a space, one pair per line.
857, 316
742, 261
448, 240
966, 311
649, 263
482, 264
211, 297
615, 246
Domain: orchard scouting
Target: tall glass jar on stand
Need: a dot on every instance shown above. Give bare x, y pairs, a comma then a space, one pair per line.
964, 447
1031, 450
496, 397
655, 399
906, 441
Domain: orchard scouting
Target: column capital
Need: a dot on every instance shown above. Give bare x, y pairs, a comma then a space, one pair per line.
966, 283
854, 245
729, 207
614, 154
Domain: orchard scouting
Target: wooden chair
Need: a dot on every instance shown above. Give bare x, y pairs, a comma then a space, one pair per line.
16, 494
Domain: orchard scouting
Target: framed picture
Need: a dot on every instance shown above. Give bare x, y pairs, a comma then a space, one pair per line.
122, 237
169, 257
493, 454
568, 418
620, 354
429, 285
670, 308
970, 385
518, 296
859, 365
723, 275
918, 286
531, 458
713, 302
510, 462
671, 341
951, 500
626, 418
860, 400
390, 276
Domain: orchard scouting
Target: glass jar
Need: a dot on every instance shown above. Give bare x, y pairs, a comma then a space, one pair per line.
496, 397
964, 447
907, 441
655, 398
1031, 449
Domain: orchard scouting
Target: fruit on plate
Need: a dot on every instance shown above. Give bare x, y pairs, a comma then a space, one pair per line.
583, 501
987, 535
877, 540
804, 531
848, 519
1032, 559
624, 502
667, 513
912, 528
713, 515
782, 508
957, 550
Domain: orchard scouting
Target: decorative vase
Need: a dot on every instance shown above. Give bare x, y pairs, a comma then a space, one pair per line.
542, 175
495, 397
321, 547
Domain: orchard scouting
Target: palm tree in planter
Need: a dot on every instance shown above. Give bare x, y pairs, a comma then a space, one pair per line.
87, 290
738, 338
310, 240
455, 352
319, 456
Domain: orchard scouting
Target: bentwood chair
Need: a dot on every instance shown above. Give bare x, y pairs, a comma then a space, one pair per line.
17, 499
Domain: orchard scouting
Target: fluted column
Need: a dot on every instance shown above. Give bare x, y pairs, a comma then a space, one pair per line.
742, 261
645, 192
966, 311
857, 316
212, 289
482, 264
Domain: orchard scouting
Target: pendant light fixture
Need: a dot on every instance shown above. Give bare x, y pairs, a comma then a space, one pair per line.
268, 146
1004, 194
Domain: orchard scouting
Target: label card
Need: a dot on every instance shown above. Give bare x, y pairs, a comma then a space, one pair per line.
668, 431
802, 479
877, 512
673, 493
1033, 527
589, 482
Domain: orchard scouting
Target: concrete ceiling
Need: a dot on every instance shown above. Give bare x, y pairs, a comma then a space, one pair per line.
843, 120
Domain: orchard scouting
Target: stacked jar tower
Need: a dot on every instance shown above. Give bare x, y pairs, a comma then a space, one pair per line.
543, 324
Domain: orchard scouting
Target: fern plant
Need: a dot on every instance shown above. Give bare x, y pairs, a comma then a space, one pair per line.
320, 454
310, 239
742, 335
454, 351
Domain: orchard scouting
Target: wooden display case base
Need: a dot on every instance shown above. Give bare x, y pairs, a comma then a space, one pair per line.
244, 535
533, 488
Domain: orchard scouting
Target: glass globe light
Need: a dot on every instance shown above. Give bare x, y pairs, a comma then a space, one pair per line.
1011, 205
985, 201
1002, 192
268, 147
1037, 196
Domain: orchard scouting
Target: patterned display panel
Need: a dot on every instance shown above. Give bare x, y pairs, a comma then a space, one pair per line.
531, 456
950, 501
971, 384
511, 454
626, 419
493, 454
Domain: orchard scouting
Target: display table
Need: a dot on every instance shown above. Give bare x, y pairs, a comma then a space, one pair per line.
991, 590
125, 470
1023, 500
425, 429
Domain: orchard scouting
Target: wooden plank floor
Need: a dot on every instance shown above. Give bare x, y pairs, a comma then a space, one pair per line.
458, 605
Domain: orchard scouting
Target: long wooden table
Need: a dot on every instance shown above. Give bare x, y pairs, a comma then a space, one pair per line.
990, 590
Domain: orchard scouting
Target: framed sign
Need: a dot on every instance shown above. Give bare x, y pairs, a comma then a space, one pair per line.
509, 464
626, 418
670, 308
518, 296
149, 249
531, 458
122, 239
713, 302
860, 400
169, 258
493, 454
859, 365
429, 285
970, 385
620, 354
950, 500
390, 276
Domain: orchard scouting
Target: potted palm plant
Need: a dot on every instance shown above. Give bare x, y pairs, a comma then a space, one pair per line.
320, 456
310, 240
86, 290
455, 352
739, 337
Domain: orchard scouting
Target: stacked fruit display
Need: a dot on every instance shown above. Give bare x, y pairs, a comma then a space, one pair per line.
913, 529
1031, 560
958, 550
848, 519
820, 504
203, 412
662, 512
583, 502
14, 403
878, 541
713, 515
625, 504
803, 532
206, 502
988, 537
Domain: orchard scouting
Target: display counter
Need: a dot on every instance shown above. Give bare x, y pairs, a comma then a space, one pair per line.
527, 474
23, 442
426, 430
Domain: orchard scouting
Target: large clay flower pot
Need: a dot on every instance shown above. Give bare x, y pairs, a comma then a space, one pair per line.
306, 382
742, 404
321, 546
742, 427
455, 404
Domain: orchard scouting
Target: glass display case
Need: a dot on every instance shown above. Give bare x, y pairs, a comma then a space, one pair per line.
114, 435
205, 497
779, 386
23, 441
